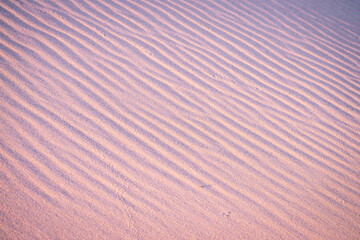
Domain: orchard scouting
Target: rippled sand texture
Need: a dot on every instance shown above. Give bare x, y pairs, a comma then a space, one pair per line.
180, 119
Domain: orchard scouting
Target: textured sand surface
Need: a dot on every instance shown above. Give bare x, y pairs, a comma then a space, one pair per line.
159, 119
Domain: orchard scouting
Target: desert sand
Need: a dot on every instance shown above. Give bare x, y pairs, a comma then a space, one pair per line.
176, 119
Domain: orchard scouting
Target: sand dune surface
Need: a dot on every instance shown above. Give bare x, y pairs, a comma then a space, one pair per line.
175, 119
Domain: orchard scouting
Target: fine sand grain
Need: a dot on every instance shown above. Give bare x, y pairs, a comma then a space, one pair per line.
179, 119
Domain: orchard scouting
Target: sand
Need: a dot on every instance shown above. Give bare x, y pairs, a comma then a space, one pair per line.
159, 119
